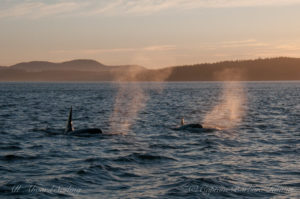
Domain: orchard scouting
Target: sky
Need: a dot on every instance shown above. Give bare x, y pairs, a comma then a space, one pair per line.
151, 33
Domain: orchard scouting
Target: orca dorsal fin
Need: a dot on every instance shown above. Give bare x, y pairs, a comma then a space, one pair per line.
69, 126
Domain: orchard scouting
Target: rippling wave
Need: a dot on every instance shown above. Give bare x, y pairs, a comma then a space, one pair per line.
257, 157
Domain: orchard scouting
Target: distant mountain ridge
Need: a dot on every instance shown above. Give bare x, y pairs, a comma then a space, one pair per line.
270, 69
75, 65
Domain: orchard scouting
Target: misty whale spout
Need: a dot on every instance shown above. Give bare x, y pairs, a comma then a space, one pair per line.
70, 129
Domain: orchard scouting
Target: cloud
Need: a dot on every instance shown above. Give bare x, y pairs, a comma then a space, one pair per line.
116, 50
160, 48
38, 8
144, 7
243, 43
254, 49
33, 9
288, 47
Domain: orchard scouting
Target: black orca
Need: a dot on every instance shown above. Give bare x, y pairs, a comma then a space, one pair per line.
191, 127
70, 129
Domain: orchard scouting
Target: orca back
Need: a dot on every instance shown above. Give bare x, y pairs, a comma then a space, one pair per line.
87, 131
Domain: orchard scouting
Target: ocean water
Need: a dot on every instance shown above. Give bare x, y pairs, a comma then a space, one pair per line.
250, 146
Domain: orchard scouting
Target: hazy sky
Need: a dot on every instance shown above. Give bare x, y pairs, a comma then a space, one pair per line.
152, 33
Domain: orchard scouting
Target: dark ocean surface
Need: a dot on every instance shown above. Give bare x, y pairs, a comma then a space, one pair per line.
250, 147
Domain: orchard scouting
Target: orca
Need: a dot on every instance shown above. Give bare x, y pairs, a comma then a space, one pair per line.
70, 129
195, 126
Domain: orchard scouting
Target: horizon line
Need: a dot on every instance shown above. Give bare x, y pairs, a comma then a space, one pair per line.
192, 64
